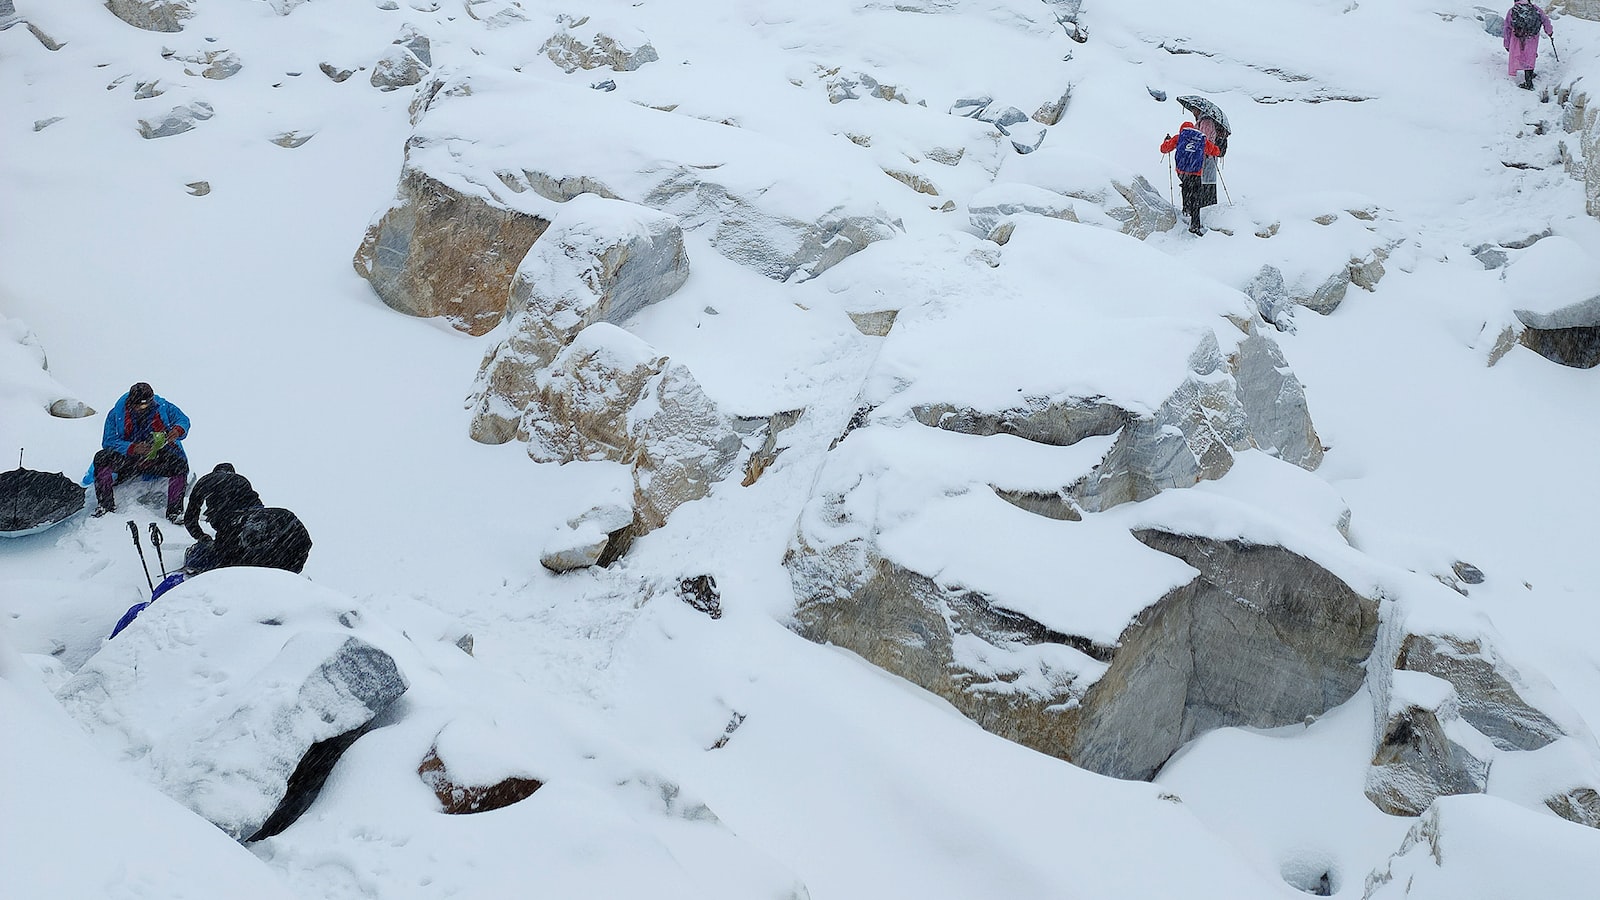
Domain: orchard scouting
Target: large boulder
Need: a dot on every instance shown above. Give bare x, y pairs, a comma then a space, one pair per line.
600, 261
610, 396
740, 187
444, 250
1261, 637
236, 693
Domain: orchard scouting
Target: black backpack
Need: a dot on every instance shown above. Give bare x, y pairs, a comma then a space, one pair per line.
1525, 20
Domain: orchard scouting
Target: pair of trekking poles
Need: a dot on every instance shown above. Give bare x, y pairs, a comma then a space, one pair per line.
156, 540
1219, 169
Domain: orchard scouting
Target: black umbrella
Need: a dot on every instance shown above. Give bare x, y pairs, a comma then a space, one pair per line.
1205, 109
31, 501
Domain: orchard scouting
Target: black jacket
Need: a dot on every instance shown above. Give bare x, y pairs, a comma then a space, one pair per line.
223, 496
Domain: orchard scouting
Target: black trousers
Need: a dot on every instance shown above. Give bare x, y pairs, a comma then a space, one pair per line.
1193, 195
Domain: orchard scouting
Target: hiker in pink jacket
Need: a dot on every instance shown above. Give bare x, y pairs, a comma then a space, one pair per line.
1521, 39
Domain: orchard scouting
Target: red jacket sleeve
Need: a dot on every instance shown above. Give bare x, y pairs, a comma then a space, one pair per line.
1169, 143
1211, 149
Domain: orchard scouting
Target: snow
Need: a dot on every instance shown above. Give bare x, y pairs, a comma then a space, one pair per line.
1393, 121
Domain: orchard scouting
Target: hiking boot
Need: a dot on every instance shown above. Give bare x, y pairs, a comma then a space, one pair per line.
1527, 79
1196, 229
175, 516
102, 510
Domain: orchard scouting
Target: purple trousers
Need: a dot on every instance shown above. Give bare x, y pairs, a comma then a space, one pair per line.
169, 462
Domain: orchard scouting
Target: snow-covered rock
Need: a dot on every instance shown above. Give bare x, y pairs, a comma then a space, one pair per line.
1484, 847
610, 396
398, 67
588, 43
600, 261
177, 120
990, 207
153, 15
472, 134
1081, 406
236, 692
1147, 211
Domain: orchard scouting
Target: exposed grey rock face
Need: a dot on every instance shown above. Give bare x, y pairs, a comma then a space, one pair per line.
600, 261
177, 120
1328, 295
8, 14
266, 700
1261, 637
609, 396
440, 252
397, 68
1150, 211
1484, 684
152, 15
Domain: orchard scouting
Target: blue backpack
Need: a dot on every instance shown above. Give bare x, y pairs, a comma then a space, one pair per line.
1190, 154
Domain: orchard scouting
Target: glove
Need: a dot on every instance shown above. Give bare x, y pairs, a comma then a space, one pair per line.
1167, 138
139, 450
175, 433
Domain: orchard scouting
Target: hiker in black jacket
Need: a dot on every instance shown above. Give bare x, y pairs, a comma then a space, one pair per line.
224, 496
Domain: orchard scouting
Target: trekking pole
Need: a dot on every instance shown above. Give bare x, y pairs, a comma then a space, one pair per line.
1224, 186
155, 541
1553, 48
1169, 180
134, 530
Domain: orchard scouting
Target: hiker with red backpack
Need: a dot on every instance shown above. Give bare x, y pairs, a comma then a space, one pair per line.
1189, 149
1520, 35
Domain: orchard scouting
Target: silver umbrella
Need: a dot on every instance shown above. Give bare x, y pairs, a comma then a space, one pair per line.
1205, 109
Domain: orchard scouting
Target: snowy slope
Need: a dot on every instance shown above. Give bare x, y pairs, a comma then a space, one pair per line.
241, 306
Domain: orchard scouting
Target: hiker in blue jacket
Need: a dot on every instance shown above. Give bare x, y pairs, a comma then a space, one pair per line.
143, 436
1189, 149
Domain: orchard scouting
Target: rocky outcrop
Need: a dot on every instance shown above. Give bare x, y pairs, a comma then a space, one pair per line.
152, 15
600, 261
260, 724
1261, 637
440, 252
587, 44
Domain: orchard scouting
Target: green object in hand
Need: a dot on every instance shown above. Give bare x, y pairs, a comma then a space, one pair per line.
157, 441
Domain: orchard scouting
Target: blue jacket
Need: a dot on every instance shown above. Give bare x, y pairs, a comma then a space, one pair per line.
120, 433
